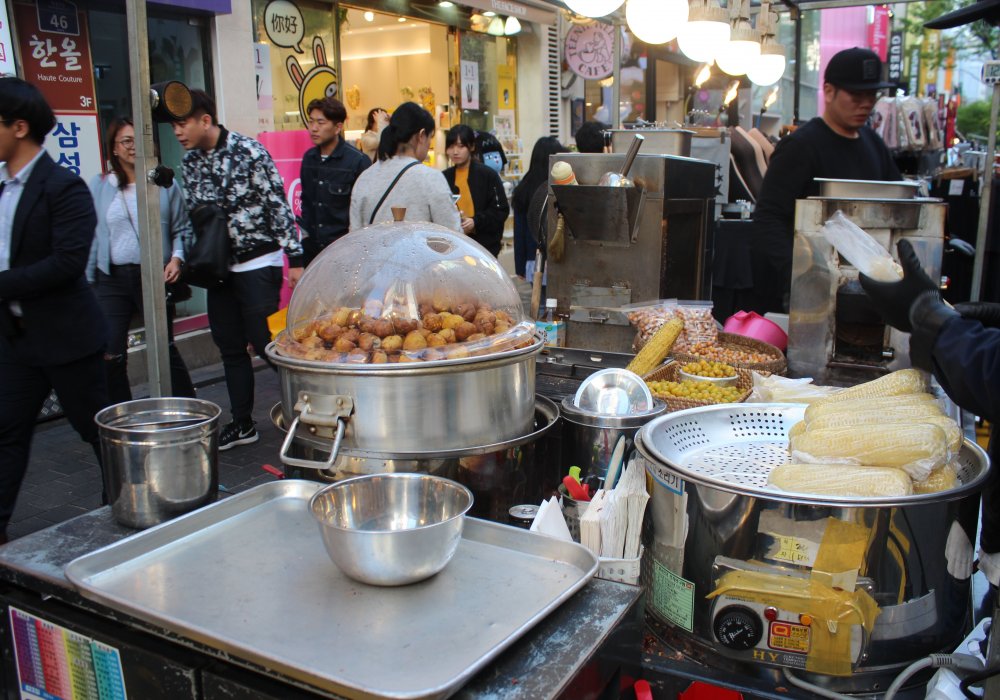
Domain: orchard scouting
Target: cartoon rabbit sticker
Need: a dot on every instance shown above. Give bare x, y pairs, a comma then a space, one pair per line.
319, 82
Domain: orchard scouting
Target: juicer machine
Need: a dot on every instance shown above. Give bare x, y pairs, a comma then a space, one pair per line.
835, 335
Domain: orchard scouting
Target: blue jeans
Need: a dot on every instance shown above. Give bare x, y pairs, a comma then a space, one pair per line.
237, 315
120, 297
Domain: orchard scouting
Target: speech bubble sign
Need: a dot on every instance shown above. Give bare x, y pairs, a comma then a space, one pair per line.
284, 25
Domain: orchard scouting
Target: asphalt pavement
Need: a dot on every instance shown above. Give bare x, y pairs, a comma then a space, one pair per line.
64, 480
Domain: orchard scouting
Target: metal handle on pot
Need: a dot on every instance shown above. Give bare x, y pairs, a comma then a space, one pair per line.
310, 463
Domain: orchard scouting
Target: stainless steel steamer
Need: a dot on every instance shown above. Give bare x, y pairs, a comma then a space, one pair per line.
718, 528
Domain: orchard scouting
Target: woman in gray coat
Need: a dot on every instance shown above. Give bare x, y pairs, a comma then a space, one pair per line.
113, 267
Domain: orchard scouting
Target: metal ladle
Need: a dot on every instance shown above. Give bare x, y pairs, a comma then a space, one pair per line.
621, 179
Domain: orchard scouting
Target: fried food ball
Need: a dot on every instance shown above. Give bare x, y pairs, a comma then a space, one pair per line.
485, 325
341, 316
403, 326
423, 309
392, 343
434, 340
504, 317
414, 340
312, 342
366, 324
448, 334
357, 356
424, 332
464, 331
457, 353
433, 322
379, 357
353, 318
466, 311
352, 334
343, 344
329, 332
451, 321
475, 336
441, 300
406, 358
368, 342
383, 328
501, 327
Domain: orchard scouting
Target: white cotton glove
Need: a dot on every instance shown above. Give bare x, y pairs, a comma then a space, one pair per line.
958, 553
989, 564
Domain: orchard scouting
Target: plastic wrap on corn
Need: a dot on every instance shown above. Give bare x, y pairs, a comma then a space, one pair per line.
840, 480
904, 381
916, 448
887, 403
943, 478
656, 349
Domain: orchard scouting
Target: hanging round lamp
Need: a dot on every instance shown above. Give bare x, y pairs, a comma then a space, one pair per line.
706, 32
742, 50
769, 66
593, 8
656, 21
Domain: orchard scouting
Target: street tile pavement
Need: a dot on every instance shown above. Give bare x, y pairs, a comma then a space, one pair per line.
63, 479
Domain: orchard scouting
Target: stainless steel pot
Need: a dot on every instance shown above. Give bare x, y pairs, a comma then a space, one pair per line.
412, 411
743, 576
500, 475
590, 438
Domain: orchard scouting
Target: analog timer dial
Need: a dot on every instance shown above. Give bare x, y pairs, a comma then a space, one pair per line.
737, 627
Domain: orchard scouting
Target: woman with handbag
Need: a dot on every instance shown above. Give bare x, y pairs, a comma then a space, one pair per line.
398, 178
113, 268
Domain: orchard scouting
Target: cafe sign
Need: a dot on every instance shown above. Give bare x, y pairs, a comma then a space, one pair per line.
590, 50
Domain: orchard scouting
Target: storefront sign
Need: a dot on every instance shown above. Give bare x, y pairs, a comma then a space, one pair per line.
914, 70
506, 98
929, 70
878, 29
219, 7
75, 144
896, 56
58, 17
284, 24
518, 9
6, 46
265, 93
470, 85
590, 50
58, 64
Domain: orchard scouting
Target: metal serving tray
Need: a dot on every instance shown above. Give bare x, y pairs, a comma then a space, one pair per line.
249, 576
868, 189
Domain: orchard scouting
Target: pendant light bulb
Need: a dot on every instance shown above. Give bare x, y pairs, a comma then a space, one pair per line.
511, 26
593, 8
495, 27
706, 32
741, 52
656, 21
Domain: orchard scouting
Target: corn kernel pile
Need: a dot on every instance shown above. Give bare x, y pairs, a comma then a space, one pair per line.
698, 391
709, 368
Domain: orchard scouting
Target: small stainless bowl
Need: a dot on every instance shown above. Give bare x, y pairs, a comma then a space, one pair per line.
391, 529
718, 381
614, 392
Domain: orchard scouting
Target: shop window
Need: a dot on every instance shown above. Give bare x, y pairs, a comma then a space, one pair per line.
297, 40
485, 81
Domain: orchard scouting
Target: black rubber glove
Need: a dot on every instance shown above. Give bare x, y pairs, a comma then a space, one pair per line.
928, 315
983, 311
894, 299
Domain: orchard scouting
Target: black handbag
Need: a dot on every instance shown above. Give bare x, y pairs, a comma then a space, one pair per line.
207, 262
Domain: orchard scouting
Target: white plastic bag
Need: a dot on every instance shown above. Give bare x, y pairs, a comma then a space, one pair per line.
776, 389
860, 249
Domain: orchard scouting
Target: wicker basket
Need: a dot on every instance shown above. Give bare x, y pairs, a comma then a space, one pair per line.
669, 372
731, 341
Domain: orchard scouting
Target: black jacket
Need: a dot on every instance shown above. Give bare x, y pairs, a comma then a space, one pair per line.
490, 201
326, 191
50, 243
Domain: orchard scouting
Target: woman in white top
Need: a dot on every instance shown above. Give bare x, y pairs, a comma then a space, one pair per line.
113, 267
398, 179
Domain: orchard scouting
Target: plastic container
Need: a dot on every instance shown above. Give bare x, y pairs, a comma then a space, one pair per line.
402, 292
549, 324
753, 325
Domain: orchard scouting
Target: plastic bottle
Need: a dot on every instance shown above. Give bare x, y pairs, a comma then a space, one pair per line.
562, 173
553, 327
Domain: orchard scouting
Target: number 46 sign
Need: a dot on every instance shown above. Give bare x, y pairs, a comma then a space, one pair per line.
58, 17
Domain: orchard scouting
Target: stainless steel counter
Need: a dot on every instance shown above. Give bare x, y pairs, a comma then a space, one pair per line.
574, 652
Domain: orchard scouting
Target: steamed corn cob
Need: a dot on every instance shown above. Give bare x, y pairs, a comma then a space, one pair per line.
916, 448
923, 402
904, 381
841, 480
943, 478
797, 430
928, 414
656, 348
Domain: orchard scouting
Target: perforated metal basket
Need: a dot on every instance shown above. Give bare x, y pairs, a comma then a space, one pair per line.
734, 447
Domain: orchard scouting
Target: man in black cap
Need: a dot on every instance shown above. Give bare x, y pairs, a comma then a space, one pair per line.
835, 145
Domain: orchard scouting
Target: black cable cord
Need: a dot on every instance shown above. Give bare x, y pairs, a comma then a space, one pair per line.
977, 678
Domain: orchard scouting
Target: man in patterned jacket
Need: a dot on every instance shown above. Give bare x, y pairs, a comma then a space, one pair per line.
236, 172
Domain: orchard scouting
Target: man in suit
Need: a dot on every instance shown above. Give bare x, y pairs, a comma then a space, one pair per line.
52, 333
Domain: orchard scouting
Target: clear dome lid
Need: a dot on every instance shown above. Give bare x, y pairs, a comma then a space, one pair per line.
403, 292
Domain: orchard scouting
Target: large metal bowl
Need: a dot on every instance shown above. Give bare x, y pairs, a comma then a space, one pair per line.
391, 529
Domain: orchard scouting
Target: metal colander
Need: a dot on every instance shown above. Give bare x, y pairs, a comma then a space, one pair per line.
734, 447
